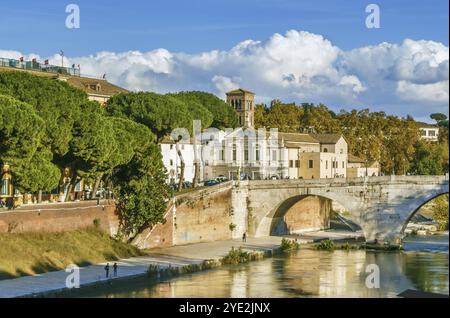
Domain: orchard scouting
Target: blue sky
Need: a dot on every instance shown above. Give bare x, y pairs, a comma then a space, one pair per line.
203, 25
304, 51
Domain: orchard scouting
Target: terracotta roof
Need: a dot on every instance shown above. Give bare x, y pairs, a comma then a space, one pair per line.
355, 159
327, 138
89, 85
239, 91
297, 137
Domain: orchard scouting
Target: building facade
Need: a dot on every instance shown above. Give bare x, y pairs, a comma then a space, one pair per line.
429, 132
358, 167
261, 154
243, 102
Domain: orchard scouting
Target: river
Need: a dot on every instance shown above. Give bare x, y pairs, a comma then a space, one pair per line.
423, 265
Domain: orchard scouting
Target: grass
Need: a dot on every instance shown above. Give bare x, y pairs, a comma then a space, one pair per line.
33, 253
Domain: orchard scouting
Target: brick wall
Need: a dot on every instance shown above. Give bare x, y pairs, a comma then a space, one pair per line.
59, 217
200, 216
310, 213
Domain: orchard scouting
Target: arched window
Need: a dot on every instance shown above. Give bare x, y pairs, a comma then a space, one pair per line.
325, 149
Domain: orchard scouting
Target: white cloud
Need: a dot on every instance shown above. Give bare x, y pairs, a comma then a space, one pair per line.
410, 77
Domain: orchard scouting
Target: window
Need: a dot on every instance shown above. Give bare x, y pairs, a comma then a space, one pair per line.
297, 163
343, 165
234, 152
325, 149
342, 151
246, 155
291, 163
5, 187
257, 153
171, 162
310, 164
423, 132
274, 155
221, 154
171, 147
326, 164
431, 133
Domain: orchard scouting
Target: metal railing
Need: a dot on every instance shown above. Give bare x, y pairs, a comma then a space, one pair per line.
39, 67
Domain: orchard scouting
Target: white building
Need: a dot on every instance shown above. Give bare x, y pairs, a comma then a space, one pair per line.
358, 167
172, 161
429, 132
251, 153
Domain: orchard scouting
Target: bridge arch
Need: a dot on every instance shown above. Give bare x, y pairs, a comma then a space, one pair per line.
275, 211
414, 212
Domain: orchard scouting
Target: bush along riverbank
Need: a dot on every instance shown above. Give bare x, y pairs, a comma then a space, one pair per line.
329, 245
234, 257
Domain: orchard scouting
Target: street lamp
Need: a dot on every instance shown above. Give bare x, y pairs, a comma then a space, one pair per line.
61, 53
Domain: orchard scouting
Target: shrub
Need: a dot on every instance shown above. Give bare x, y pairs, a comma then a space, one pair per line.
326, 245
236, 256
289, 245
96, 223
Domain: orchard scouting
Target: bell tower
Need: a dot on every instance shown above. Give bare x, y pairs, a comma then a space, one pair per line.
243, 102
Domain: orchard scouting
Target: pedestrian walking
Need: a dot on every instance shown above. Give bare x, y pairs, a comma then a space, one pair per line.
107, 270
115, 269
244, 237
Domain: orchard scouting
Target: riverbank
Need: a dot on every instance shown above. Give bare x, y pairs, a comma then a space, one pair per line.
32, 253
176, 256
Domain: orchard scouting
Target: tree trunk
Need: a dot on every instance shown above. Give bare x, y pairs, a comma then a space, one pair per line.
97, 183
180, 182
39, 198
196, 173
71, 187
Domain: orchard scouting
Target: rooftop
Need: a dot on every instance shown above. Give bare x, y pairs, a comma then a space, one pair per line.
297, 137
239, 91
355, 159
94, 86
327, 138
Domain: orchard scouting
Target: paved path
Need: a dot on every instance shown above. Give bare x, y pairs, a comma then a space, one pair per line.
173, 256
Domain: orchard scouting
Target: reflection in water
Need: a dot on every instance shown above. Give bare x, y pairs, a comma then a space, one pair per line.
308, 273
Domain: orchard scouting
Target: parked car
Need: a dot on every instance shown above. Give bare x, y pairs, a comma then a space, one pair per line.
221, 178
210, 183
187, 184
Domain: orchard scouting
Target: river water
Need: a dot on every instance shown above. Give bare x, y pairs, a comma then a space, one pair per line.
423, 265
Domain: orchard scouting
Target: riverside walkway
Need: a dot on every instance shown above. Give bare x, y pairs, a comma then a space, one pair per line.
176, 256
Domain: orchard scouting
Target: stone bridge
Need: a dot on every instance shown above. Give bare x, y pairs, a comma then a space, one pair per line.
381, 206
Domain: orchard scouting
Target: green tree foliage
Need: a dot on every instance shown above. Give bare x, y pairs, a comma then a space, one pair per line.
285, 117
141, 191
440, 212
55, 101
430, 158
196, 109
21, 134
441, 119
160, 113
223, 115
